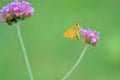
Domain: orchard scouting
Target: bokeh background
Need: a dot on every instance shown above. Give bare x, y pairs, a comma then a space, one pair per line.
51, 55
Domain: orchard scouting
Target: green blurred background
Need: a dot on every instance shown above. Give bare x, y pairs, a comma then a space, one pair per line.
51, 55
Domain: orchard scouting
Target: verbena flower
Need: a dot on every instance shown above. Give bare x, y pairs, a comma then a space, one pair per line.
16, 11
13, 13
90, 37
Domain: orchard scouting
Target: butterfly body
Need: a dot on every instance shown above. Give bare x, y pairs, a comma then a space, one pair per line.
73, 32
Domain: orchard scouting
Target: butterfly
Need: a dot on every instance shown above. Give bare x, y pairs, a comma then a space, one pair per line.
73, 32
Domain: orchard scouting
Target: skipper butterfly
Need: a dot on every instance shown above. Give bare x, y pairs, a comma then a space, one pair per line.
73, 32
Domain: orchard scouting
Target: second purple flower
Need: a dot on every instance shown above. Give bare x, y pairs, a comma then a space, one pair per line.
90, 37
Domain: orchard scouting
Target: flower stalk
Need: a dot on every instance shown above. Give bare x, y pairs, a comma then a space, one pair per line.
24, 52
76, 64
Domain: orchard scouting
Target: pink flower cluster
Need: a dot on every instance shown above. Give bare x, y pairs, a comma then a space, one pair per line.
90, 37
16, 11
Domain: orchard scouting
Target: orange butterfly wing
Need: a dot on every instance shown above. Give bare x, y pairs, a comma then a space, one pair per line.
73, 32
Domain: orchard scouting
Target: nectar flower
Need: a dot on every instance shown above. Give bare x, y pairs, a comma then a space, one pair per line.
16, 11
90, 37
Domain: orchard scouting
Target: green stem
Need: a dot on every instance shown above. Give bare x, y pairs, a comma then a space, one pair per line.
24, 52
78, 61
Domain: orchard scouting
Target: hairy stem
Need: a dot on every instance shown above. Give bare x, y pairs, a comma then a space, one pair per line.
78, 61
24, 52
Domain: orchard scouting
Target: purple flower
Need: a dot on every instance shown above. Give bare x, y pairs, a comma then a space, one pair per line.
90, 37
16, 11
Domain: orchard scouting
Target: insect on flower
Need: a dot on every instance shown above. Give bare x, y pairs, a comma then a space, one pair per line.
73, 32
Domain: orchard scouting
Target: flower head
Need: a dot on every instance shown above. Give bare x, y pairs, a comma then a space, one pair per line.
90, 37
16, 11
